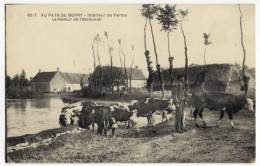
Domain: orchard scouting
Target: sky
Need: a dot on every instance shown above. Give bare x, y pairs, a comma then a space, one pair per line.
34, 43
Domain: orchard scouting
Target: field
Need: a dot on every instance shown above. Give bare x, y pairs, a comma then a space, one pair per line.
153, 144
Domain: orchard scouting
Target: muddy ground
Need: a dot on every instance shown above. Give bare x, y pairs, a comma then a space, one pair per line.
149, 144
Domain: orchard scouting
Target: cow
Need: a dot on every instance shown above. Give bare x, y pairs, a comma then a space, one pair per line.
222, 102
96, 114
151, 105
86, 115
121, 114
105, 117
69, 114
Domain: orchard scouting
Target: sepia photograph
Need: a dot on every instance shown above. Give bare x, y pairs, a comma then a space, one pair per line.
130, 83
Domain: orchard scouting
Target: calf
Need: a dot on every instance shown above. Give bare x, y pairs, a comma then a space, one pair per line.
220, 102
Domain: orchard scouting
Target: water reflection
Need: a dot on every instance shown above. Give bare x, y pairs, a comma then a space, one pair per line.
28, 116
40, 103
20, 105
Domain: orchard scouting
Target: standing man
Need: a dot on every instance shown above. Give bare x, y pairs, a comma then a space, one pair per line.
180, 97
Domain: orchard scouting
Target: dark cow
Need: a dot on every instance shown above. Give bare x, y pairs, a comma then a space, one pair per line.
150, 106
99, 114
86, 115
62, 120
121, 114
220, 102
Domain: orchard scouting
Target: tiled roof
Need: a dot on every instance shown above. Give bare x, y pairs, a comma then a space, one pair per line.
71, 78
43, 76
75, 78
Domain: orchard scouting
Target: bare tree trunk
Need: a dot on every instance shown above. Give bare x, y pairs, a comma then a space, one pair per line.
130, 79
121, 69
111, 70
244, 52
204, 71
131, 72
170, 58
154, 45
145, 25
94, 57
126, 77
156, 57
93, 51
186, 60
149, 62
179, 113
100, 71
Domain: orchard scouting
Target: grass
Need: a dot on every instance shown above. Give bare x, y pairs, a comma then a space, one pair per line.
159, 144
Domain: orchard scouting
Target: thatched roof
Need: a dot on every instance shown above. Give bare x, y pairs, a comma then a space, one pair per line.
102, 76
215, 73
221, 72
137, 74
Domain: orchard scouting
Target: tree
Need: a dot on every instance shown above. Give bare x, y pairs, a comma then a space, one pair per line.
94, 58
111, 66
23, 81
183, 14
8, 81
149, 11
93, 53
124, 62
206, 43
131, 68
121, 63
167, 17
146, 13
110, 50
97, 39
245, 78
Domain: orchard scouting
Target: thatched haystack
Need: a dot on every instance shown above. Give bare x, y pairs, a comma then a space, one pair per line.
218, 77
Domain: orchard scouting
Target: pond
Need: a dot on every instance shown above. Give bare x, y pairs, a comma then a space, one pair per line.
30, 116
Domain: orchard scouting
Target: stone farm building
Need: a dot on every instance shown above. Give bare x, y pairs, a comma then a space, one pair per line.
218, 77
51, 82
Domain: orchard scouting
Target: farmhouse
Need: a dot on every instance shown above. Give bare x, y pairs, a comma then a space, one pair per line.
117, 78
218, 77
56, 81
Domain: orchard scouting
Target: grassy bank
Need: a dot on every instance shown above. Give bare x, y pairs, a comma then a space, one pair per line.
153, 144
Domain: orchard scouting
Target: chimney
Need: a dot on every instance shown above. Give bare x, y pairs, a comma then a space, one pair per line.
39, 70
58, 69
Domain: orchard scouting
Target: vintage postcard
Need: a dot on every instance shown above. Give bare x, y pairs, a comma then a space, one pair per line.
130, 83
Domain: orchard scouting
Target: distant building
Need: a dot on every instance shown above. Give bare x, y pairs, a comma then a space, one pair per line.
102, 75
138, 80
218, 78
49, 82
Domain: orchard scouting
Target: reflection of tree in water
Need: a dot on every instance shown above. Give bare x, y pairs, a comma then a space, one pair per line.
21, 105
40, 103
7, 105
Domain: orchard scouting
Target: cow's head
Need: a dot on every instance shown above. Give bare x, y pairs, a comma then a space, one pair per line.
132, 105
249, 105
112, 108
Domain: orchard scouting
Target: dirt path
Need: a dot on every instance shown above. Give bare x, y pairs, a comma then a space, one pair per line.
153, 144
